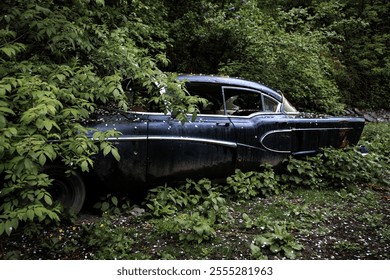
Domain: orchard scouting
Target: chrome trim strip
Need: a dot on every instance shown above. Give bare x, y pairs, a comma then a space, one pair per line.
257, 114
304, 153
249, 146
301, 129
192, 139
172, 138
295, 129
273, 132
323, 128
209, 115
126, 138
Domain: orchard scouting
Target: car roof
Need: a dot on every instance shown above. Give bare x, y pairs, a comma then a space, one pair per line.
228, 81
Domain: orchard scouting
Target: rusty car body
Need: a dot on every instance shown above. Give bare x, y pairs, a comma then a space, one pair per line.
242, 125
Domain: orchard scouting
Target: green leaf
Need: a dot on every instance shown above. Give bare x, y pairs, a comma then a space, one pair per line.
6, 110
114, 200
255, 250
275, 248
8, 227
263, 240
42, 159
105, 206
30, 214
107, 150
48, 199
115, 153
38, 212
84, 166
100, 2
10, 52
289, 252
15, 223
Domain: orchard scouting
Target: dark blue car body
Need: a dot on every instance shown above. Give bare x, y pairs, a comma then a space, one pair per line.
243, 125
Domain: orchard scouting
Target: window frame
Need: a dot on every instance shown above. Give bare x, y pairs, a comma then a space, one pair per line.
262, 96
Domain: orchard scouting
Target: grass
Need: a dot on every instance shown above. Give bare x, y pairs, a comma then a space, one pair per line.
326, 224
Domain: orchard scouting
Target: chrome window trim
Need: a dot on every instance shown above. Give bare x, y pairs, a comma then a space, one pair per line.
262, 95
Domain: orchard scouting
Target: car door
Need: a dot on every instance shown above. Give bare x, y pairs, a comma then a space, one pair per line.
254, 115
128, 174
267, 135
203, 148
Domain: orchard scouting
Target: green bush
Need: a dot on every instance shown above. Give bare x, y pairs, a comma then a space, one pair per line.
107, 240
190, 211
202, 196
59, 63
252, 184
337, 169
275, 238
279, 242
297, 63
110, 204
186, 226
376, 136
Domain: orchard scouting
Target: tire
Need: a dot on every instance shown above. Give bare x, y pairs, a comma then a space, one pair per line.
68, 190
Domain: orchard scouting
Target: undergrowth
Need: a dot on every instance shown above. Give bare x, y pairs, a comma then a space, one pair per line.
268, 212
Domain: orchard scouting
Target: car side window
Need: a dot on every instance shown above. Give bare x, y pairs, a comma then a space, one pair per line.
213, 105
244, 102
270, 105
212, 93
232, 100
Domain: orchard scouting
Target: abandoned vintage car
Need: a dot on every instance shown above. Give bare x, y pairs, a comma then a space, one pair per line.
242, 125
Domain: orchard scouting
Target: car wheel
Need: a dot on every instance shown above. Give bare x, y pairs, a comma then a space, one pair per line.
68, 190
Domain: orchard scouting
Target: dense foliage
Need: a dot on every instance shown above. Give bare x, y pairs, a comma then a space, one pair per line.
61, 60
319, 53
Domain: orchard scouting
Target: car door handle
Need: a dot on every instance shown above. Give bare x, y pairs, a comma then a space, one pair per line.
226, 124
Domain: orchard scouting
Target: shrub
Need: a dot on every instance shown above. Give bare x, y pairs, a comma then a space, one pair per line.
336, 169
277, 239
190, 211
59, 62
107, 240
251, 184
